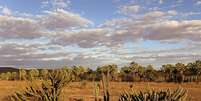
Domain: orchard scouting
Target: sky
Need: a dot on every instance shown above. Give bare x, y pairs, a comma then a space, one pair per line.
54, 33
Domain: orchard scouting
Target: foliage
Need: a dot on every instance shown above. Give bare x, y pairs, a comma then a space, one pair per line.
132, 72
48, 90
152, 95
33, 74
44, 74
22, 74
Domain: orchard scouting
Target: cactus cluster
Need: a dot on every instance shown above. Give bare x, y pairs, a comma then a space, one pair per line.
105, 84
152, 95
48, 90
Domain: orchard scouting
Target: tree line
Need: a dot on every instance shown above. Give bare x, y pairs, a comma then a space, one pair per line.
52, 88
179, 72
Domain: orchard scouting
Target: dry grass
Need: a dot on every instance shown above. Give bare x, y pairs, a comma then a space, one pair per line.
74, 90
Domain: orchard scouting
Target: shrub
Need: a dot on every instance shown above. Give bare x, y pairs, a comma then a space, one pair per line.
151, 95
48, 90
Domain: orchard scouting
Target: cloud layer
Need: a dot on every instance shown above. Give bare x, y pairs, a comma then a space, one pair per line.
59, 36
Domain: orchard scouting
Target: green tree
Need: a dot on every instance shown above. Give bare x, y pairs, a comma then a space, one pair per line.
137, 71
179, 76
22, 74
13, 75
3, 76
168, 70
33, 74
194, 69
8, 76
111, 69
125, 74
150, 73
44, 74
78, 71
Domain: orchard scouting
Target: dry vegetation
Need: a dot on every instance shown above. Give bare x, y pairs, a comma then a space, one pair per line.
77, 90
107, 83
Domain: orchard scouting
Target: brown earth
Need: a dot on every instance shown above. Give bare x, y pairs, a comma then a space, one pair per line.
85, 91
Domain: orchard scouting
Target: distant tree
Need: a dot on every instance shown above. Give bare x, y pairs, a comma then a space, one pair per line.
180, 67
135, 67
91, 74
111, 69
168, 70
125, 74
13, 75
137, 71
33, 74
78, 71
194, 70
22, 74
179, 72
6, 76
198, 67
150, 73
3, 76
44, 74
67, 69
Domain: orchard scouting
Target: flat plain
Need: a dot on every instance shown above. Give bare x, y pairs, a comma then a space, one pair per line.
85, 91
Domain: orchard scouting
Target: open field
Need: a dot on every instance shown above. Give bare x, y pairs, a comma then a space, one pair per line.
75, 90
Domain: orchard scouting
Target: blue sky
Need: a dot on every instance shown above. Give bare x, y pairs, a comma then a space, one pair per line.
49, 33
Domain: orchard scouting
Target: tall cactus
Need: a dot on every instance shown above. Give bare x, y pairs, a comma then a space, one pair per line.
151, 95
96, 91
48, 90
105, 84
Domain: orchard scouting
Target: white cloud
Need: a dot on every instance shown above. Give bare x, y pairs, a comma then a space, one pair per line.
154, 14
18, 27
6, 11
172, 12
85, 38
130, 9
175, 30
61, 19
198, 3
154, 25
29, 27
63, 30
56, 4
161, 1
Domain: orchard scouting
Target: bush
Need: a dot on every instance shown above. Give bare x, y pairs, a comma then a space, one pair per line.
48, 90
163, 95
